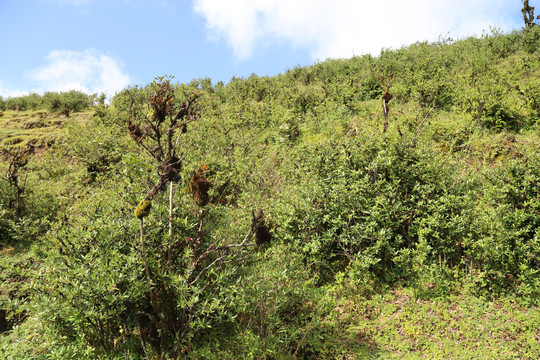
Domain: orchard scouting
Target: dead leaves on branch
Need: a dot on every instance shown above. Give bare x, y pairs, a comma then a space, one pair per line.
159, 132
200, 186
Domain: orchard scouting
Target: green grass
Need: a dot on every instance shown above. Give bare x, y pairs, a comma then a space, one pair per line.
36, 128
395, 325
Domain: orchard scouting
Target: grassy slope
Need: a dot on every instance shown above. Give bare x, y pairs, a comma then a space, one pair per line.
37, 128
404, 321
395, 325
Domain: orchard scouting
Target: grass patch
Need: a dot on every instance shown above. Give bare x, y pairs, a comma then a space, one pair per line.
395, 325
34, 128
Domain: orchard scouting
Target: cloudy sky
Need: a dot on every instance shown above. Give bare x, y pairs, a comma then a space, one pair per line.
105, 45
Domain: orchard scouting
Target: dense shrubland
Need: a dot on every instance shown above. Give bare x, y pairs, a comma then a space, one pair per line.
57, 102
317, 219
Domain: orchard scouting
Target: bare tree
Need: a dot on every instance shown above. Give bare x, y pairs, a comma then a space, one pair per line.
17, 159
528, 14
159, 135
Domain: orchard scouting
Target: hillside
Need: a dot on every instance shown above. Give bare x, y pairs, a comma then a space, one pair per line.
281, 217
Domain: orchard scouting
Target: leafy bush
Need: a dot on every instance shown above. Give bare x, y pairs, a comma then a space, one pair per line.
388, 210
531, 92
281, 312
67, 102
147, 296
511, 247
367, 202
112, 307
31, 101
531, 39
128, 103
95, 145
17, 104
502, 45
8, 228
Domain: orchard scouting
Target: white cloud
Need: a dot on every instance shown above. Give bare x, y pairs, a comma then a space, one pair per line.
6, 92
88, 71
341, 28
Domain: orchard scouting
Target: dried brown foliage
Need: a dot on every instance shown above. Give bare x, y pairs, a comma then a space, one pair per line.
199, 187
259, 227
158, 133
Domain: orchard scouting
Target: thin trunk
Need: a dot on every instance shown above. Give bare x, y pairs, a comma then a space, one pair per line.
201, 217
385, 109
143, 251
171, 192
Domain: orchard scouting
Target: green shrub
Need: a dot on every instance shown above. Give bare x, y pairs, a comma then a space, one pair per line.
280, 311
509, 252
8, 228
95, 288
31, 101
531, 39
130, 103
488, 95
365, 202
387, 210
96, 146
16, 104
67, 102
531, 92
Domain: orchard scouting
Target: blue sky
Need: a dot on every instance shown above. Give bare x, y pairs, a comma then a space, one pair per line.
107, 45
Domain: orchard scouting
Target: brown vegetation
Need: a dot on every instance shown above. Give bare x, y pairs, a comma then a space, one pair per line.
259, 227
200, 187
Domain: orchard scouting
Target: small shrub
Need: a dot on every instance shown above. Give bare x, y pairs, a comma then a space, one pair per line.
531, 39
67, 102
95, 146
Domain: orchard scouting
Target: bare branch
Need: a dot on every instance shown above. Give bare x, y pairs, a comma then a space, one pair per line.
212, 249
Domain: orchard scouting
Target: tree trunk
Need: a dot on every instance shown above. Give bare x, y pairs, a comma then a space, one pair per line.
169, 249
143, 251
